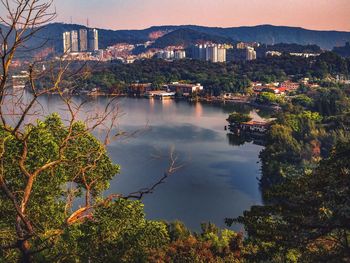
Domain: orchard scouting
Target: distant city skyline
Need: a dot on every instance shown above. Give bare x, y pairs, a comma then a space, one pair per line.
139, 14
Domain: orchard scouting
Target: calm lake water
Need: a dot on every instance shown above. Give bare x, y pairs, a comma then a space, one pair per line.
217, 180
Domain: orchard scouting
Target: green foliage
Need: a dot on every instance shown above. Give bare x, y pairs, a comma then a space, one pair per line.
282, 149
217, 78
331, 101
304, 219
343, 51
106, 81
303, 100
211, 245
268, 98
302, 123
104, 231
238, 118
293, 143
308, 222
44, 145
178, 231
187, 37
119, 232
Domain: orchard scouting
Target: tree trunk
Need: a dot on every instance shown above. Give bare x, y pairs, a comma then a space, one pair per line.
25, 251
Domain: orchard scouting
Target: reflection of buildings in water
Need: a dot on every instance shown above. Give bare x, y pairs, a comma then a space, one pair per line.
151, 104
168, 108
86, 109
110, 116
238, 139
198, 110
50, 102
166, 102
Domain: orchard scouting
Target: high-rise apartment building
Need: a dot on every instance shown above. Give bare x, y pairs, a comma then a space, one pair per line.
250, 53
169, 54
180, 54
221, 54
199, 52
67, 45
74, 41
202, 52
212, 53
83, 40
93, 40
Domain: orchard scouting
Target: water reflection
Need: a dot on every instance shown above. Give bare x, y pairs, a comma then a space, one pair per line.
219, 177
198, 110
235, 139
217, 181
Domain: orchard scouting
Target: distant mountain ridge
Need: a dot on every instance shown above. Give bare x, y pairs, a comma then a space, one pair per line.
186, 37
266, 34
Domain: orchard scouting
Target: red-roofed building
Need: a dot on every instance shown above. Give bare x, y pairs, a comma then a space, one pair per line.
289, 85
281, 91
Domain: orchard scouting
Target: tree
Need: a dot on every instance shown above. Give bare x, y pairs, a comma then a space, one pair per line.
268, 98
211, 245
47, 164
309, 219
303, 100
178, 231
57, 165
331, 101
118, 232
238, 118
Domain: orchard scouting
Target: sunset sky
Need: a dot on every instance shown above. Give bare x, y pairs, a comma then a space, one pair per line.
137, 14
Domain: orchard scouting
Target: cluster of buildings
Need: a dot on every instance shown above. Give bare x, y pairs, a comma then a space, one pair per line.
83, 44
305, 55
277, 88
244, 45
171, 54
216, 53
120, 51
273, 53
210, 52
245, 51
250, 54
82, 40
166, 91
124, 53
282, 88
278, 54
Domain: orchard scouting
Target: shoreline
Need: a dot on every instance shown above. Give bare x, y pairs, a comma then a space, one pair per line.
215, 100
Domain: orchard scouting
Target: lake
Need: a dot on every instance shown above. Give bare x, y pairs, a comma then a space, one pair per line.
217, 180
